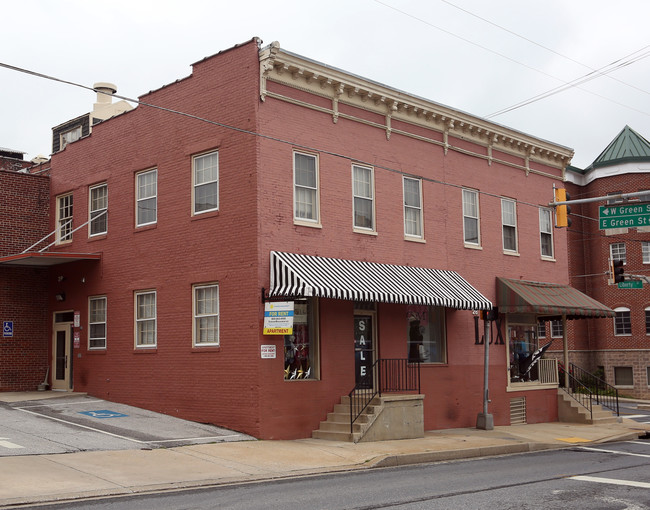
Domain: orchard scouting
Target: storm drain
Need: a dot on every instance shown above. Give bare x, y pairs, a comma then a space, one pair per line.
517, 410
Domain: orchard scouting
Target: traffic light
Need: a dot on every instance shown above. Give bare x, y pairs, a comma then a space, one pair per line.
562, 211
617, 271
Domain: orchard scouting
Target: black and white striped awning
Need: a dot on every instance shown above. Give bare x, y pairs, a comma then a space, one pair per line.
307, 275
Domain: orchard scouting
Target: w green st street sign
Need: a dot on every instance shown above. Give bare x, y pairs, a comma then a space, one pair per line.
622, 216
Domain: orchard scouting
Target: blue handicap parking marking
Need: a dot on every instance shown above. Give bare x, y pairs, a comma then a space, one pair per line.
103, 414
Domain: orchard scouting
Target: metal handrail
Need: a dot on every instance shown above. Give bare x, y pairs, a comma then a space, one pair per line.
577, 391
605, 394
384, 376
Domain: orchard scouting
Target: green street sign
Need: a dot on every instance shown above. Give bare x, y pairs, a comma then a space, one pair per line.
622, 216
631, 284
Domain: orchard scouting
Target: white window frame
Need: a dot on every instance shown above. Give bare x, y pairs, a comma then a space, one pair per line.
541, 329
363, 196
645, 250
94, 211
141, 196
198, 315
469, 215
64, 217
618, 251
546, 217
95, 321
315, 190
557, 329
141, 321
69, 136
414, 209
508, 224
620, 322
199, 183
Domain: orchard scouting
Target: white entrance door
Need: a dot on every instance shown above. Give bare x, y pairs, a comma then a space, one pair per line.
61, 354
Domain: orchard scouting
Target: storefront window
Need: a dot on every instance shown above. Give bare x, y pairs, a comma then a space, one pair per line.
523, 343
300, 349
425, 333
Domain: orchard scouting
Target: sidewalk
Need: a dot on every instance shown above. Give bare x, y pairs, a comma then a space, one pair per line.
55, 478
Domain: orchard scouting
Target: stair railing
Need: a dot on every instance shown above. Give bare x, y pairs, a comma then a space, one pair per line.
384, 376
603, 393
576, 390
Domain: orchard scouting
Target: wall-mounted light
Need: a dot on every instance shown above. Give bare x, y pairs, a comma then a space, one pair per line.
60, 296
60, 278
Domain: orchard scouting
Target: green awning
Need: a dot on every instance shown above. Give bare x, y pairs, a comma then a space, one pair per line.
548, 299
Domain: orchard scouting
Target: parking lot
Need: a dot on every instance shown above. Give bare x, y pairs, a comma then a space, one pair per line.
45, 422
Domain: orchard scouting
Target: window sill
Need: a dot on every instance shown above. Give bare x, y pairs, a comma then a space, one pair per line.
301, 223
357, 230
300, 380
205, 214
623, 335
511, 253
472, 246
97, 237
144, 228
548, 259
415, 239
145, 350
97, 351
206, 348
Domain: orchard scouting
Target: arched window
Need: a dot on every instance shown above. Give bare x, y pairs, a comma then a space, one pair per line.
622, 323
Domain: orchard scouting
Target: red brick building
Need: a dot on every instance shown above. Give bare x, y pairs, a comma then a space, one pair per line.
387, 220
618, 349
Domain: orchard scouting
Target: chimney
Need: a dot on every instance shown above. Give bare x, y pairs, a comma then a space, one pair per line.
102, 108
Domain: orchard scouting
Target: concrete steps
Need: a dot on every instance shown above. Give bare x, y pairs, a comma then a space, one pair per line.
571, 411
337, 425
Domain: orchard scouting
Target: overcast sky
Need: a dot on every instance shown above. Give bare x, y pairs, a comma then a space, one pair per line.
473, 55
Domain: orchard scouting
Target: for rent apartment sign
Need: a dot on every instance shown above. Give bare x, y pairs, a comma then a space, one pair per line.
278, 318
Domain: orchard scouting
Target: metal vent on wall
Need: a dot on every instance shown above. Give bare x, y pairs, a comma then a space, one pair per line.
517, 411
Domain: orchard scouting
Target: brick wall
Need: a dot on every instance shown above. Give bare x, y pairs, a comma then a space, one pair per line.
24, 203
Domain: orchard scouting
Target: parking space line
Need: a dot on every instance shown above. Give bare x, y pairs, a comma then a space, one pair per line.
612, 481
58, 404
8, 444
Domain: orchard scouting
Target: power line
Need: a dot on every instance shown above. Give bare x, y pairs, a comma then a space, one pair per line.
448, 32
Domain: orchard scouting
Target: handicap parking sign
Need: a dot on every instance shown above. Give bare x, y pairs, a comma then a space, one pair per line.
8, 328
104, 413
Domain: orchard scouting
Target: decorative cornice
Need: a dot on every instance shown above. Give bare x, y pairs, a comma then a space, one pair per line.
341, 87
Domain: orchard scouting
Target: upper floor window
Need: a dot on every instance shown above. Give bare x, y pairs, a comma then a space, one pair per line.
206, 314
97, 323
72, 135
412, 207
147, 197
647, 321
363, 196
305, 178
509, 223
471, 224
622, 322
145, 319
645, 250
617, 252
64, 218
546, 232
206, 182
98, 209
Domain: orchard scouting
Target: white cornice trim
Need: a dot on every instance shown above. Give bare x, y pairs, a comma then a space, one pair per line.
608, 171
339, 86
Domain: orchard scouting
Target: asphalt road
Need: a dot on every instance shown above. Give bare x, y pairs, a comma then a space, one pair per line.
81, 423
612, 477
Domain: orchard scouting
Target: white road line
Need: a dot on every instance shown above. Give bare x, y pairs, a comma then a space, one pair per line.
613, 451
59, 404
611, 481
632, 416
8, 444
644, 443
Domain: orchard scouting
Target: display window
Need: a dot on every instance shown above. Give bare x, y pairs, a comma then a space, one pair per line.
425, 334
301, 348
523, 343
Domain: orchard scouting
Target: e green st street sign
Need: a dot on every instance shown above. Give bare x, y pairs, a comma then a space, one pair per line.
622, 216
631, 284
